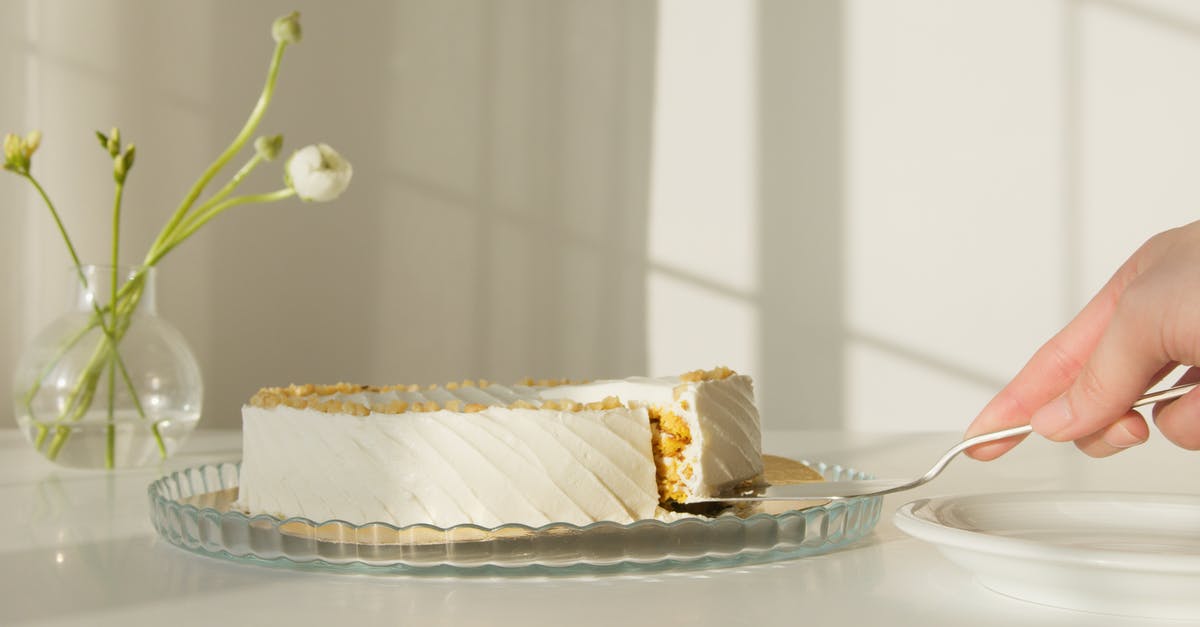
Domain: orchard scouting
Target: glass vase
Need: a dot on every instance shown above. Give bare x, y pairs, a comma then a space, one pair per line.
104, 386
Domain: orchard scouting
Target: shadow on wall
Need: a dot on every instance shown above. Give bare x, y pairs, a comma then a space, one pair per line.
495, 227
801, 237
12, 209
76, 68
497, 223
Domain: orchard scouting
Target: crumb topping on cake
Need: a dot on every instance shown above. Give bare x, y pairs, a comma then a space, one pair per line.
315, 397
530, 382
696, 376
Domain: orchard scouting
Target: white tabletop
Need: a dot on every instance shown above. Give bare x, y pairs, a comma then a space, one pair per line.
77, 548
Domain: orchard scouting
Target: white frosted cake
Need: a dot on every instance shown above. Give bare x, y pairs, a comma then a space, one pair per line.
488, 454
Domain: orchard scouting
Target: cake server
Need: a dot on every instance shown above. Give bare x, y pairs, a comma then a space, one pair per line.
828, 490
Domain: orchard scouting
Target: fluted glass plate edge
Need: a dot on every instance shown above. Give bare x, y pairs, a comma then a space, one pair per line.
210, 528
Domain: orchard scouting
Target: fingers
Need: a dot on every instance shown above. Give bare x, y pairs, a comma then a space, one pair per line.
1162, 374
1051, 369
1006, 410
1084, 380
1179, 420
1127, 357
1130, 430
1192, 375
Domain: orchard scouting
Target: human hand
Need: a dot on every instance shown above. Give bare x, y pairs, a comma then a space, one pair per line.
1081, 384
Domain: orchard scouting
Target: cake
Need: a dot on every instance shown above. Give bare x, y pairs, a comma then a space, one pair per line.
487, 454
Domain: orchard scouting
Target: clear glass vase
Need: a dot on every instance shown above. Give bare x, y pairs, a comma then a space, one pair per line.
105, 389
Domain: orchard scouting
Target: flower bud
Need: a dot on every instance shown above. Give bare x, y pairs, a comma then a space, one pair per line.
127, 158
268, 147
318, 173
12, 148
18, 152
32, 140
287, 28
123, 163
114, 142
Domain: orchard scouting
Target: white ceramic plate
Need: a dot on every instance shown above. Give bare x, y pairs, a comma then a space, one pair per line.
1114, 553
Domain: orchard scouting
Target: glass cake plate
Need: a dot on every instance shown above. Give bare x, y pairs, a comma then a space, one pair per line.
191, 509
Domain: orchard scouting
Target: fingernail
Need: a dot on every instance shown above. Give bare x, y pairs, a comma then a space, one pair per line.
1052, 419
1121, 437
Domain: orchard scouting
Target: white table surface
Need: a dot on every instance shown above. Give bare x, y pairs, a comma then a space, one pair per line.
78, 548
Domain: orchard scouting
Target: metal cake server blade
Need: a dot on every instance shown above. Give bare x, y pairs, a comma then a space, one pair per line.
832, 490
816, 491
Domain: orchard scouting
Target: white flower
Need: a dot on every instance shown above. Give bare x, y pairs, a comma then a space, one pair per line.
318, 173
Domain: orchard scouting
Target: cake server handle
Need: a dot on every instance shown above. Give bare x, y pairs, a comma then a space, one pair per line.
828, 490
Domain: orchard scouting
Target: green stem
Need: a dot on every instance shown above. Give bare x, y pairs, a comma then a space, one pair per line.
63, 350
137, 402
57, 442
95, 321
77, 405
201, 219
81, 395
61, 229
231, 185
166, 240
256, 115
201, 213
162, 447
98, 315
116, 244
83, 387
110, 429
98, 320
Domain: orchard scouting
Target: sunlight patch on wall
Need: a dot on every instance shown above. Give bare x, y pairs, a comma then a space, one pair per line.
694, 327
702, 247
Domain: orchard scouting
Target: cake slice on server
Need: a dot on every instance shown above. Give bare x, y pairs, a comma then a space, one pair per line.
705, 430
486, 454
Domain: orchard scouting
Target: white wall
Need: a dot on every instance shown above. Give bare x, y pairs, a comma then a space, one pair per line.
940, 186
1003, 159
879, 209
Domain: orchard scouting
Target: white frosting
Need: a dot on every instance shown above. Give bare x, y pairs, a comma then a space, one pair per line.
445, 468
726, 447
495, 466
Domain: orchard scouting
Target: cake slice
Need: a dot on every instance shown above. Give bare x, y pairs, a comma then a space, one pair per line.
486, 454
705, 430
